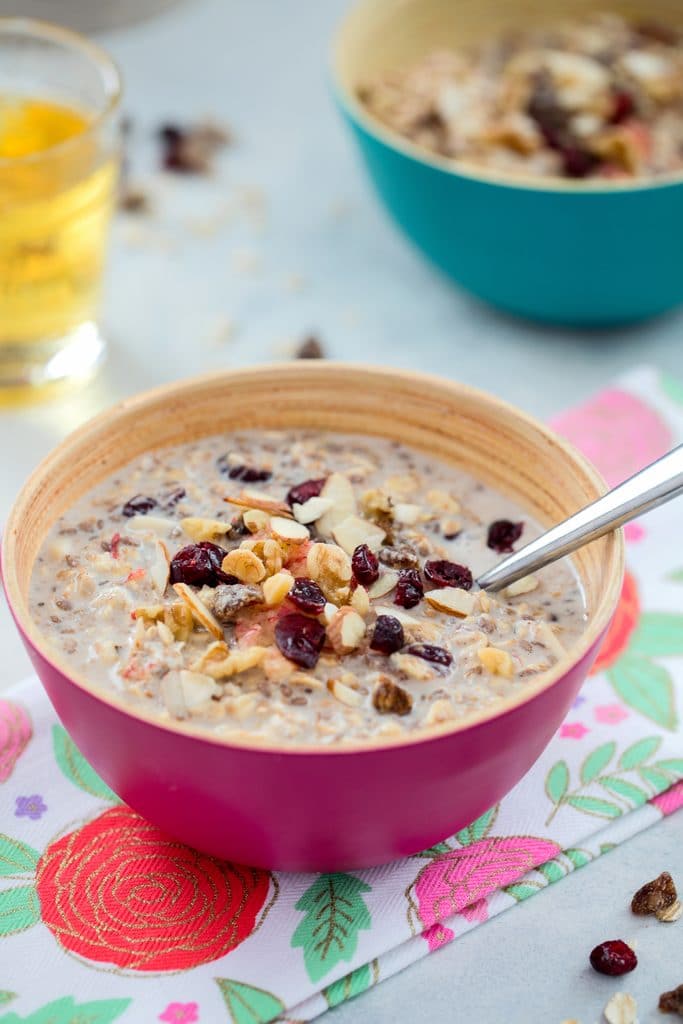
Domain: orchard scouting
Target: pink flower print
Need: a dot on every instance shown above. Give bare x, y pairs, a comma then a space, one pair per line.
15, 732
478, 911
458, 882
32, 807
670, 800
180, 1013
610, 714
634, 532
573, 731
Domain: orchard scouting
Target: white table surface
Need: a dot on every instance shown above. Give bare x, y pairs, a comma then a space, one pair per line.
288, 240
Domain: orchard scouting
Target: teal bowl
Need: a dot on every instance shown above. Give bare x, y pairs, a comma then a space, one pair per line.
586, 254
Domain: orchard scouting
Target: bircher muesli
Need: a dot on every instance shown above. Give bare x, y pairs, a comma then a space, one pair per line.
293, 587
598, 97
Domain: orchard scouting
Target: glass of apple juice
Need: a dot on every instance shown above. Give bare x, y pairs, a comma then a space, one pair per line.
59, 160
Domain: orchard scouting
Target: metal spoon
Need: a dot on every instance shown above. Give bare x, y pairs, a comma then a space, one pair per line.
656, 484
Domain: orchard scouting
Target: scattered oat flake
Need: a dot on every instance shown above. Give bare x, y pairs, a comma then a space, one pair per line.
621, 1009
134, 199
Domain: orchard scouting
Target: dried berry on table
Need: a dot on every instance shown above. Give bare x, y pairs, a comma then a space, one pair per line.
134, 199
365, 565
672, 1001
310, 348
502, 534
448, 574
300, 639
388, 635
655, 896
613, 957
192, 148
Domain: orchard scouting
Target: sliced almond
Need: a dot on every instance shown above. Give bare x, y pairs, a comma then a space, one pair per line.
397, 613
255, 520
196, 688
311, 510
353, 530
339, 491
217, 651
344, 693
523, 586
200, 529
261, 502
329, 612
621, 1009
452, 600
498, 662
172, 695
346, 631
200, 612
160, 568
383, 585
304, 679
289, 530
415, 668
151, 524
276, 588
406, 513
165, 634
360, 601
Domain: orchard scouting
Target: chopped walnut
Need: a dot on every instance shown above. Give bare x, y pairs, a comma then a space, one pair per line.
399, 558
655, 896
672, 1002
390, 698
229, 600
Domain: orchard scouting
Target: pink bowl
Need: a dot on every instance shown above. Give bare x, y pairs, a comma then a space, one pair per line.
307, 808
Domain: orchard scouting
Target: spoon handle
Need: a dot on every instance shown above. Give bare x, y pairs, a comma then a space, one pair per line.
656, 484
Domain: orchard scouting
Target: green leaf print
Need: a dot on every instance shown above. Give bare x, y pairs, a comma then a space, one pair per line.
596, 762
672, 387
621, 787
335, 912
76, 768
19, 909
352, 985
596, 806
659, 780
552, 870
676, 576
67, 1011
16, 858
606, 848
479, 829
557, 781
247, 1004
639, 752
578, 857
659, 634
522, 890
6, 997
646, 688
434, 851
671, 764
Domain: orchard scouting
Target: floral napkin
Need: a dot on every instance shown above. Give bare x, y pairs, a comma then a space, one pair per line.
120, 923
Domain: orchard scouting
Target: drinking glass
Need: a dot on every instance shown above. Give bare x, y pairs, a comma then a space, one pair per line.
59, 159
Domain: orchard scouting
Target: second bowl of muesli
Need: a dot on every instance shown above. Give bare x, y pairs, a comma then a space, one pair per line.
270, 584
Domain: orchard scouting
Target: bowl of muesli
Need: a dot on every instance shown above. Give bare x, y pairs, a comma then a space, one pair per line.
252, 600
533, 152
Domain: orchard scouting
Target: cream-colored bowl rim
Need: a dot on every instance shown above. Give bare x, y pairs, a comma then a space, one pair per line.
599, 621
359, 113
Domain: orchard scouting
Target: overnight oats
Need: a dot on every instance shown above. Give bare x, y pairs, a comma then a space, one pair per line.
598, 97
293, 587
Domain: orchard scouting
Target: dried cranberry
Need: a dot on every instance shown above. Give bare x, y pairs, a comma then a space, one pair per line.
249, 474
578, 162
430, 652
623, 106
302, 492
409, 589
200, 565
365, 565
613, 957
388, 635
442, 573
503, 534
300, 639
140, 505
307, 596
173, 497
545, 108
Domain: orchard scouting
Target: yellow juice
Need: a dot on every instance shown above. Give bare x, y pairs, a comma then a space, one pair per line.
56, 192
